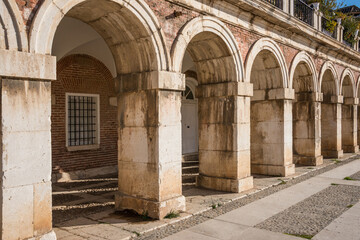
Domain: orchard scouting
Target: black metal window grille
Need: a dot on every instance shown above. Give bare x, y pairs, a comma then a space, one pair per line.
304, 12
276, 3
82, 120
324, 23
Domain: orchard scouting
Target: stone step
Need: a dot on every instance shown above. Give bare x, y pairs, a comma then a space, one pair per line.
190, 163
190, 169
190, 157
189, 178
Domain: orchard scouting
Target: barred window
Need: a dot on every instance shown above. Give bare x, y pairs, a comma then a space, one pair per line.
82, 119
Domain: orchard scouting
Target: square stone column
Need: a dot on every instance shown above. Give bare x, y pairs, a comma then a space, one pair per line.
271, 132
224, 136
150, 143
26, 145
307, 129
349, 125
331, 146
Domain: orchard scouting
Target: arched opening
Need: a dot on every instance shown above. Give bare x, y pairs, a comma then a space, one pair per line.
349, 116
330, 114
114, 84
271, 115
189, 124
306, 116
214, 57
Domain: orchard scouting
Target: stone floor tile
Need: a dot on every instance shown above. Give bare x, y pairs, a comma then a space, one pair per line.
102, 231
220, 229
188, 235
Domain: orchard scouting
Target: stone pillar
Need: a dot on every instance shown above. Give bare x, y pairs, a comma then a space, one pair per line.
271, 132
286, 6
316, 15
26, 145
291, 7
150, 143
339, 31
349, 125
224, 136
307, 129
331, 146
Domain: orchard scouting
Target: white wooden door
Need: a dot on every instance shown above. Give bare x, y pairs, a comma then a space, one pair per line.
189, 112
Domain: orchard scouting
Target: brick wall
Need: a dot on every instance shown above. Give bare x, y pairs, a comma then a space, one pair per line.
83, 74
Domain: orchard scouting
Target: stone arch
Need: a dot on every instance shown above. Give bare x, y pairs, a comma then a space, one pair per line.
349, 112
218, 36
306, 59
350, 89
358, 87
330, 109
12, 27
306, 114
328, 69
129, 28
269, 45
270, 110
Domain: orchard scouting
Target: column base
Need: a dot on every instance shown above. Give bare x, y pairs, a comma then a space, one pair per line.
153, 209
272, 170
332, 154
225, 184
308, 161
48, 236
351, 149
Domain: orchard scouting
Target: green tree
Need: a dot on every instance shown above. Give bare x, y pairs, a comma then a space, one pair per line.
328, 7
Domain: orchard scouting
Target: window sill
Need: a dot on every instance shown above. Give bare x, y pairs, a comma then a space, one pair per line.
83, 148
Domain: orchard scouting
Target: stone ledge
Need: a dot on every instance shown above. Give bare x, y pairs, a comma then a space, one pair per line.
274, 94
82, 174
351, 101
312, 97
155, 80
225, 89
16, 64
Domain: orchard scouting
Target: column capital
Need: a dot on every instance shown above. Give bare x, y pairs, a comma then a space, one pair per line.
155, 80
312, 96
16, 64
337, 99
351, 101
225, 89
274, 94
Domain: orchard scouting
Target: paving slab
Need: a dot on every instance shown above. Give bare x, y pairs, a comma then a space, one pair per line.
347, 226
187, 235
215, 229
102, 232
258, 211
343, 171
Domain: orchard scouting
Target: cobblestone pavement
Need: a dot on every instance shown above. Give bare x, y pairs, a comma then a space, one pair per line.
84, 209
310, 216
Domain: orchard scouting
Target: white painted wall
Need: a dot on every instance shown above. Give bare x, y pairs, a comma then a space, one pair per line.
76, 37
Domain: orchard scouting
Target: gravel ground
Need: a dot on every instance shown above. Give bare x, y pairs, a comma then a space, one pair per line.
313, 214
197, 219
356, 176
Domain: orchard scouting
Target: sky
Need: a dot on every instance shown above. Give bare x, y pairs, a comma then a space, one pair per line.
352, 2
